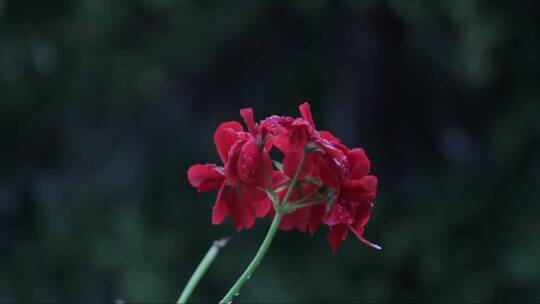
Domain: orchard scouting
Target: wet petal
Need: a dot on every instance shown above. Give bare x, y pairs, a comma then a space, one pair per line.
205, 177
291, 161
277, 124
363, 190
253, 194
301, 218
362, 217
328, 173
240, 209
305, 110
231, 166
251, 164
220, 210
340, 213
370, 183
299, 134
225, 136
262, 207
329, 137
287, 222
281, 142
249, 119
316, 217
359, 162
336, 235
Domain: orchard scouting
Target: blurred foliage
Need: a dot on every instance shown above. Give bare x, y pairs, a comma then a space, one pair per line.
104, 105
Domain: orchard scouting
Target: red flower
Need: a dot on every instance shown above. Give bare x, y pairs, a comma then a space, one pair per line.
343, 170
246, 165
332, 186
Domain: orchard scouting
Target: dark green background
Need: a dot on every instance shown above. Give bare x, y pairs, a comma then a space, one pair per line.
105, 104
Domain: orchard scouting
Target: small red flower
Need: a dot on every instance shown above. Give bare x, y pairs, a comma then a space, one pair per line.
246, 169
343, 170
328, 182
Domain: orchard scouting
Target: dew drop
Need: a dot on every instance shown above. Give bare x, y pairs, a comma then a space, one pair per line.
237, 294
248, 277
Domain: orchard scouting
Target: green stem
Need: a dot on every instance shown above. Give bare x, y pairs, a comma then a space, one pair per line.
279, 210
201, 269
256, 260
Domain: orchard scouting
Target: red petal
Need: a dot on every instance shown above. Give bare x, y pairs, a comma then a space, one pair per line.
305, 110
352, 191
329, 137
370, 182
277, 124
301, 218
249, 119
341, 213
226, 135
220, 210
240, 209
287, 222
328, 173
299, 134
317, 214
298, 219
262, 207
233, 201
363, 190
231, 166
292, 160
336, 235
250, 164
205, 177
267, 180
362, 218
278, 178
281, 142
252, 194
355, 191
360, 163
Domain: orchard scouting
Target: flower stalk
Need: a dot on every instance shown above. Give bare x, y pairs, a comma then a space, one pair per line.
201, 269
235, 289
280, 209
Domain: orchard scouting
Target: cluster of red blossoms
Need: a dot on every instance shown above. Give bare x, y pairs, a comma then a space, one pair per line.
319, 181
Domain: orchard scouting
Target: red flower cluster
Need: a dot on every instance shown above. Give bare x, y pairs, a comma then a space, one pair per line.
320, 180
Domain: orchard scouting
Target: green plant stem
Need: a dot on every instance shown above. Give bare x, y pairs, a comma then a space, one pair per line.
279, 210
256, 260
201, 269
